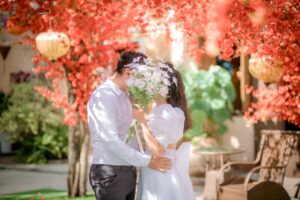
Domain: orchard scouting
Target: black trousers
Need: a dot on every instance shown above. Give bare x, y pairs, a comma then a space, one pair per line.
113, 182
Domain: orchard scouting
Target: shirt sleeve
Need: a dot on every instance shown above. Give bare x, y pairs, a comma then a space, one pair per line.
102, 113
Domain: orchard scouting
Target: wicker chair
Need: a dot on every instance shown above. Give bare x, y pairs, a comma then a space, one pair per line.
269, 169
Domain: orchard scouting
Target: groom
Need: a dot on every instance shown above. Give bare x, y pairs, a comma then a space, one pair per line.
112, 175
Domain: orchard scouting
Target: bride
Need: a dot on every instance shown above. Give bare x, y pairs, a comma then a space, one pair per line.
163, 136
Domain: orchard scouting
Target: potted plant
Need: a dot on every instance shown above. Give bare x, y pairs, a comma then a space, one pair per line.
210, 97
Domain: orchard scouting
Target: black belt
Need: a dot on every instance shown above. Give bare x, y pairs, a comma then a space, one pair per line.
116, 167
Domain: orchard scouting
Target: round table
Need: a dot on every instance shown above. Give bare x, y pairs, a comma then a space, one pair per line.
210, 185
217, 151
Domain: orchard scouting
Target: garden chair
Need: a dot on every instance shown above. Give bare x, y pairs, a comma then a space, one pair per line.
269, 169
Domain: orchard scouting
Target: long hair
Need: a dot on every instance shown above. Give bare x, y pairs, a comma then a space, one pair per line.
177, 97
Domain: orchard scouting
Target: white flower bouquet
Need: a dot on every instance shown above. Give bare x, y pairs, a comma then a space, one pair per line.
147, 81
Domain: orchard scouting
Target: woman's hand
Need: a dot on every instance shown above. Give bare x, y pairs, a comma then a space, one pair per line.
139, 114
156, 148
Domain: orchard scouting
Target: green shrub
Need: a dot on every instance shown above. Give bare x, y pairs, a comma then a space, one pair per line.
34, 124
4, 98
210, 96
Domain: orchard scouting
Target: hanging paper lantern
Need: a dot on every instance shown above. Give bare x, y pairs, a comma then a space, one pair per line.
52, 44
265, 69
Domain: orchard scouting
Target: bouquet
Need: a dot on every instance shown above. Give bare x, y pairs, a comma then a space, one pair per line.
148, 80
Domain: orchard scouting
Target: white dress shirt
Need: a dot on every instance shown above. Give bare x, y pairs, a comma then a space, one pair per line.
109, 118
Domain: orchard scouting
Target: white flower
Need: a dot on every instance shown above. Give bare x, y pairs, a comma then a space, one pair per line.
166, 81
147, 74
175, 81
150, 79
137, 59
139, 83
163, 91
166, 75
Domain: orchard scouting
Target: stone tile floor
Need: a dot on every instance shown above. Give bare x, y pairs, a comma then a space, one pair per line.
19, 178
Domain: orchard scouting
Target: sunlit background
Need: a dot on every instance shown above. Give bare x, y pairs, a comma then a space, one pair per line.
240, 64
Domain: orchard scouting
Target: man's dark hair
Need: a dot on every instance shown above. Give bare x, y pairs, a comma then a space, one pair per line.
126, 58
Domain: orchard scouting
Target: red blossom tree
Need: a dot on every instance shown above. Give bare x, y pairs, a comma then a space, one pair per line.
98, 31
95, 27
229, 27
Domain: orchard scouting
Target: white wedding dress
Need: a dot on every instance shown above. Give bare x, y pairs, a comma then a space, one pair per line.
167, 124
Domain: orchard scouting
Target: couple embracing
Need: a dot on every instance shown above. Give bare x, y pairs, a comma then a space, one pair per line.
164, 165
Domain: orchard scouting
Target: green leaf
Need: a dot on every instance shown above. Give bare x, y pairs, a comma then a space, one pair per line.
222, 128
221, 115
198, 116
203, 105
221, 75
32, 122
217, 103
211, 92
193, 133
230, 91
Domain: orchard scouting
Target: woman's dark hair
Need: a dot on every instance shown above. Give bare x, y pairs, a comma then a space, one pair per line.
126, 58
176, 95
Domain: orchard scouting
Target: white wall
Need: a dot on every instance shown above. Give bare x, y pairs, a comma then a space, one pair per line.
240, 136
18, 58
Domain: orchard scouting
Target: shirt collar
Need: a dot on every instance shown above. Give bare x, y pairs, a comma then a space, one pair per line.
115, 87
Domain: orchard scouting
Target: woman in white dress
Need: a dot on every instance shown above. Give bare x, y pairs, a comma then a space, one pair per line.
163, 136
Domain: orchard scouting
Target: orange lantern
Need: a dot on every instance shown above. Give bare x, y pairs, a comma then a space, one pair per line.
52, 44
265, 69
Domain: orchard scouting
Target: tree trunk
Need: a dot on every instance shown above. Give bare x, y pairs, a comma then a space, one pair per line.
84, 160
78, 159
73, 157
245, 81
78, 151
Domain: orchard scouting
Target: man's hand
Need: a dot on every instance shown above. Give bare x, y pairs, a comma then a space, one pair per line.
161, 164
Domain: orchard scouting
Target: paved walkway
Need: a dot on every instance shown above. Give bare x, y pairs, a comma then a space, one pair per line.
19, 178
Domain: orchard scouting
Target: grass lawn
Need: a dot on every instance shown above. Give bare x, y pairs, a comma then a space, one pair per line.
43, 194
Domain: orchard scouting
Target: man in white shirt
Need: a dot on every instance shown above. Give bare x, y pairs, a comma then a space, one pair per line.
112, 175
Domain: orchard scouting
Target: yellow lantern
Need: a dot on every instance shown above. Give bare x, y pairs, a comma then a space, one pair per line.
264, 69
52, 44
